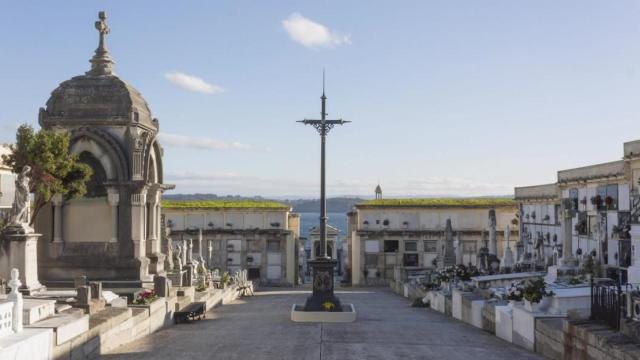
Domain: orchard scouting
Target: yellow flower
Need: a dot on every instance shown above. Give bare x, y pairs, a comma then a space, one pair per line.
328, 306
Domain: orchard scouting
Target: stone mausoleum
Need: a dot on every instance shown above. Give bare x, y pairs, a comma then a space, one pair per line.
260, 236
114, 231
413, 235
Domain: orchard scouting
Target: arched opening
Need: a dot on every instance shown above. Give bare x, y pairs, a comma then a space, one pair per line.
95, 185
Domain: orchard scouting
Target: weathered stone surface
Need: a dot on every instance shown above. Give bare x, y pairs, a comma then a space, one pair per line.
84, 295
161, 285
34, 310
96, 289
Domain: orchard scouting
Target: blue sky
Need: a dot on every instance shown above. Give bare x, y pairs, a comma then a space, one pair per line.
446, 97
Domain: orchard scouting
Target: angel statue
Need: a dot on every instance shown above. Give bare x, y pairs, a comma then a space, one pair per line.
19, 216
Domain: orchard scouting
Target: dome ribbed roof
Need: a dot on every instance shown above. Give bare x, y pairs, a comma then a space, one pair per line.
98, 98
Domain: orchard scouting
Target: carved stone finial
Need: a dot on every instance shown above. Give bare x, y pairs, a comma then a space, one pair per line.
101, 63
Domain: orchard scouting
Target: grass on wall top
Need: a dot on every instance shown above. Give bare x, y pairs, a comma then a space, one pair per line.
223, 204
441, 202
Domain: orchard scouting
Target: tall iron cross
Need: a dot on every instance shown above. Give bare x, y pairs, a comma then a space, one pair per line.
323, 126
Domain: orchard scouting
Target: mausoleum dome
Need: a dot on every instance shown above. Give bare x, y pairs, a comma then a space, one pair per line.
96, 99
99, 97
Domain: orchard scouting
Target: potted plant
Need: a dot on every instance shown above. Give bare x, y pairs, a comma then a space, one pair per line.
226, 279
515, 292
514, 222
609, 202
535, 294
202, 286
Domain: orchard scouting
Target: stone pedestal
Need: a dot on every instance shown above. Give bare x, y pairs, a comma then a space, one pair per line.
156, 263
176, 277
322, 286
21, 252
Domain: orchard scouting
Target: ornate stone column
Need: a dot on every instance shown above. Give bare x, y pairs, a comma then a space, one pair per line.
56, 201
153, 199
114, 200
567, 235
154, 252
138, 227
138, 223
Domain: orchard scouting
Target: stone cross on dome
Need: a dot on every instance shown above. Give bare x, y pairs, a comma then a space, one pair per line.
101, 63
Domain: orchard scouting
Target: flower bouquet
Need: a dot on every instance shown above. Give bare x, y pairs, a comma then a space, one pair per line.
146, 297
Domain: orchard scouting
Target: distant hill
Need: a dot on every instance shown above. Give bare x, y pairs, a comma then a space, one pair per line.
334, 205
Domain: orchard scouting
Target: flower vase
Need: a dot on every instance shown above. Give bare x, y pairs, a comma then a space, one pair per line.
545, 303
531, 307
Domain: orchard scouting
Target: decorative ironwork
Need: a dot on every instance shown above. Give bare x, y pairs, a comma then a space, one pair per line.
607, 303
323, 266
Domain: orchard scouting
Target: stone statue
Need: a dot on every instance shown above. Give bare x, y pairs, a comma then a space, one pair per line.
539, 247
507, 260
493, 242
19, 217
177, 258
190, 251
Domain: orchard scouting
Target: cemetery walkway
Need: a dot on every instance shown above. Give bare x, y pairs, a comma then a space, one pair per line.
259, 328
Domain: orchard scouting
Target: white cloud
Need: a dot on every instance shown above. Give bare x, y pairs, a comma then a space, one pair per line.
176, 140
193, 83
312, 34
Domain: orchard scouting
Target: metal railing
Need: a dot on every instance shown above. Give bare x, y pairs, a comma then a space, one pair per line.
607, 303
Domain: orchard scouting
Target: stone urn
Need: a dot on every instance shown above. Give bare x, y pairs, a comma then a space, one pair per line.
539, 306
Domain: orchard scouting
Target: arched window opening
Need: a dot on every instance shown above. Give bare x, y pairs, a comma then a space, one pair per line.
95, 185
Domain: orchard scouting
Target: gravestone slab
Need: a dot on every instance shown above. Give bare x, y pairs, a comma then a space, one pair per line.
64, 326
161, 285
34, 310
79, 281
96, 289
109, 296
84, 295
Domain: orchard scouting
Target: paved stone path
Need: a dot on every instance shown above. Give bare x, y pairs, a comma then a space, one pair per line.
259, 328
